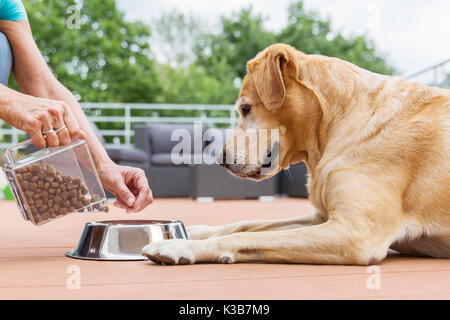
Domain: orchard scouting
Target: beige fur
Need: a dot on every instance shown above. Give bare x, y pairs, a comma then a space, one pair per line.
377, 150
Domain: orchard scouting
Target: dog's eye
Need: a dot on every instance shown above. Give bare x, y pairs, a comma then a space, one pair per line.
246, 109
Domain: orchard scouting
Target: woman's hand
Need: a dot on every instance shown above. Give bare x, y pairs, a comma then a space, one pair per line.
36, 116
129, 185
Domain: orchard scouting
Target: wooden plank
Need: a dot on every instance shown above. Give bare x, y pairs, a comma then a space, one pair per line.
398, 286
33, 265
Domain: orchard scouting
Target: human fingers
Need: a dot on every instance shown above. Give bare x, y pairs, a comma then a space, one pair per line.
71, 123
144, 195
123, 193
119, 203
47, 130
143, 199
56, 112
34, 129
142, 191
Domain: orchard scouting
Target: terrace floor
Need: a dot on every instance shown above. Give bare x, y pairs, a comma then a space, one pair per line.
33, 265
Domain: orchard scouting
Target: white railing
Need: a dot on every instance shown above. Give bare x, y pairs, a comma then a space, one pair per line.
437, 75
96, 113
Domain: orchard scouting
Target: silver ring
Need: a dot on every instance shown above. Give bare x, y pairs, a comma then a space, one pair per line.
61, 128
46, 133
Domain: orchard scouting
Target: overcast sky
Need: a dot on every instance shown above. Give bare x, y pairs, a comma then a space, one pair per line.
414, 34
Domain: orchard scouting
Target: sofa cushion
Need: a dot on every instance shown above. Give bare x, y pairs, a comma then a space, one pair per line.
165, 159
160, 137
118, 154
217, 133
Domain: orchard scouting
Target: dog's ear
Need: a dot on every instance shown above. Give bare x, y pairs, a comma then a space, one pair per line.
266, 70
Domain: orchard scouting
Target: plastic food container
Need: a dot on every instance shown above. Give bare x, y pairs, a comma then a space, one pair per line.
53, 182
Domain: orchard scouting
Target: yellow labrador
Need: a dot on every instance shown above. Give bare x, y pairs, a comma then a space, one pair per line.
377, 150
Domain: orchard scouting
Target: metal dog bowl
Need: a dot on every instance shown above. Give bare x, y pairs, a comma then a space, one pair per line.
124, 240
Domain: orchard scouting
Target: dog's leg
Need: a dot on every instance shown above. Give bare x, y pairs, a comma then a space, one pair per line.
332, 242
205, 232
364, 220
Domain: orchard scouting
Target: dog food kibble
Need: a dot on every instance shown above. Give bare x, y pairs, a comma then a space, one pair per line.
65, 195
84, 190
42, 175
49, 193
95, 198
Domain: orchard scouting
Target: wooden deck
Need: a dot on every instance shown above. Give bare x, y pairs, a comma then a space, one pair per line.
33, 265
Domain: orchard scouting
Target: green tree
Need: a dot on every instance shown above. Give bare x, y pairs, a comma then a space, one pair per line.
176, 34
192, 84
109, 59
244, 34
308, 33
184, 81
106, 60
240, 38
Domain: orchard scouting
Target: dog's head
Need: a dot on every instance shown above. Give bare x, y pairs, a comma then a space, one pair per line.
274, 116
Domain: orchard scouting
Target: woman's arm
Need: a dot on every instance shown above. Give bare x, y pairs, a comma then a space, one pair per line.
34, 78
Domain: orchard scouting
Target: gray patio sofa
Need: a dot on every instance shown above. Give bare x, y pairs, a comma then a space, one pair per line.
214, 181
293, 183
166, 178
195, 180
124, 156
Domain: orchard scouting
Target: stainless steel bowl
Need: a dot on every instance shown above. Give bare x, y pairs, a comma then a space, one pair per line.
124, 239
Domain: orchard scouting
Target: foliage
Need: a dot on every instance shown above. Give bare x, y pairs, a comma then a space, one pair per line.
106, 60
109, 59
308, 33
194, 84
243, 35
176, 34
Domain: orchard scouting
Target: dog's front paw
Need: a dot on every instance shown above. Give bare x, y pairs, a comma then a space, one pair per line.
201, 232
170, 252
